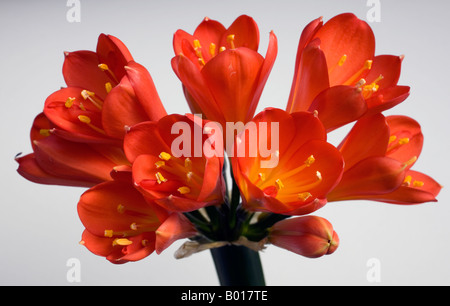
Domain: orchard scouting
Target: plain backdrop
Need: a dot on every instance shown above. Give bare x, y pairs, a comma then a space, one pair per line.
39, 225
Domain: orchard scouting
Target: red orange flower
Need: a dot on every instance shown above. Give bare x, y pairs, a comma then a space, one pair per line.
123, 226
222, 73
309, 236
77, 141
307, 166
181, 181
379, 153
338, 75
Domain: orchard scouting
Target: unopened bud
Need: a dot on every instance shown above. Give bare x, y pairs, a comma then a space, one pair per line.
309, 236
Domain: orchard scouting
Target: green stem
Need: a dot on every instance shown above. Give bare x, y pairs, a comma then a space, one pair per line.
238, 266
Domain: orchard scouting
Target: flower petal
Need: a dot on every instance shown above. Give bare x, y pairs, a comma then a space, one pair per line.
369, 137
145, 90
311, 77
175, 227
345, 34
339, 105
245, 31
371, 176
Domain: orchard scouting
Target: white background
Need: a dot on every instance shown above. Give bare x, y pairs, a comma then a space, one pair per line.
39, 226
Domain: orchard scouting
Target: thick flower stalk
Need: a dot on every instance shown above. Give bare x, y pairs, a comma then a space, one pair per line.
222, 73
338, 74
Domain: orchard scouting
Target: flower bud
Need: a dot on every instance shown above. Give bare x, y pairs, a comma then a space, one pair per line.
309, 236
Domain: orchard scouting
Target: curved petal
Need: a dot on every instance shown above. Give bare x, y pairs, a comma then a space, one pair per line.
80, 69
232, 78
339, 105
371, 176
112, 52
387, 66
145, 90
208, 32
266, 67
74, 161
30, 170
245, 31
345, 34
116, 209
387, 98
143, 138
417, 188
175, 227
406, 139
197, 87
311, 78
369, 137
121, 110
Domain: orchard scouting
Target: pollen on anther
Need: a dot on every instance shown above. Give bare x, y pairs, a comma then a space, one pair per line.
160, 178
160, 164
319, 175
342, 60
304, 196
418, 184
403, 141
134, 226
86, 94
165, 156
103, 67
44, 132
69, 102
84, 119
184, 190
108, 87
279, 184
109, 233
309, 161
121, 242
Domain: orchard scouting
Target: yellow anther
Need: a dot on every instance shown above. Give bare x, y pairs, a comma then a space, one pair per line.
418, 184
121, 241
103, 67
279, 184
221, 49
230, 40
108, 87
184, 190
69, 102
120, 208
360, 83
109, 233
44, 132
165, 156
201, 61
309, 161
159, 164
144, 242
262, 176
407, 181
197, 44
368, 64
410, 161
134, 226
304, 196
86, 94
212, 49
84, 119
392, 139
342, 60
189, 175
160, 178
403, 141
82, 107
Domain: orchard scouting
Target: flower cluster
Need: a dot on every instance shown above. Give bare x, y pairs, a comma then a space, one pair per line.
218, 176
